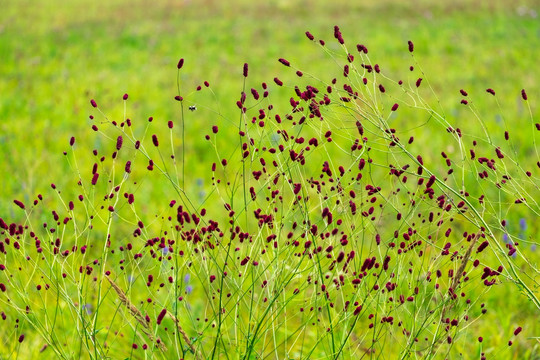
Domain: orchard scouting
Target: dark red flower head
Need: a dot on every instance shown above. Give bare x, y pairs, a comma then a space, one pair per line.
180, 63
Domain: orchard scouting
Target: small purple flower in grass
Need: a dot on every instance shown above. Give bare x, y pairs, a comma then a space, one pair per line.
93, 103
180, 63
395, 107
278, 82
284, 62
72, 141
95, 178
491, 91
245, 72
463, 92
524, 94
128, 167
518, 330
155, 140
88, 308
189, 289
523, 224
125, 97
309, 36
21, 338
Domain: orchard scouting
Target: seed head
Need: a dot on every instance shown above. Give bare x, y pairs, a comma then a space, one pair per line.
309, 36
119, 142
245, 70
180, 63
155, 140
125, 97
19, 204
284, 62
93, 103
395, 107
411, 46
524, 94
72, 141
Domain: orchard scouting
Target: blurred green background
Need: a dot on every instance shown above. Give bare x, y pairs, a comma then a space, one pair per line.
56, 55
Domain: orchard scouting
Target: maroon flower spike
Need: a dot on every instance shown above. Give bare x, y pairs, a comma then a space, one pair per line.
93, 103
125, 97
119, 142
523, 94
464, 102
180, 64
411, 46
155, 140
309, 36
170, 124
21, 338
491, 91
19, 204
418, 82
284, 62
215, 129
245, 70
518, 330
128, 167
278, 82
72, 141
463, 92
178, 98
161, 316
395, 107
95, 178
338, 36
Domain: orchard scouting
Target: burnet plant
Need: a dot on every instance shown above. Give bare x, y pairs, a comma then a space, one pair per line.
332, 228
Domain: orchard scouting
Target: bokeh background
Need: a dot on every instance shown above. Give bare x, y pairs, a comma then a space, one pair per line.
56, 55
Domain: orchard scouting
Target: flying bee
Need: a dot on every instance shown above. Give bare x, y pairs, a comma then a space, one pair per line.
192, 108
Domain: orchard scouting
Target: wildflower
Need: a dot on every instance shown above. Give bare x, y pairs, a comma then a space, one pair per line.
180, 64
284, 62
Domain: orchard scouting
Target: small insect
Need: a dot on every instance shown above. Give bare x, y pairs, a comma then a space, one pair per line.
192, 108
